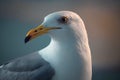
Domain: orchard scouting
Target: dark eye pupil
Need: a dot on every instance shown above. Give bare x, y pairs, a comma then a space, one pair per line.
64, 19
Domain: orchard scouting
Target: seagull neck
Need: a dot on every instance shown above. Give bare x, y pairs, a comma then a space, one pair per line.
70, 49
71, 38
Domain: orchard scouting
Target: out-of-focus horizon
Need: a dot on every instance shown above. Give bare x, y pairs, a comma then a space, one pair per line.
101, 18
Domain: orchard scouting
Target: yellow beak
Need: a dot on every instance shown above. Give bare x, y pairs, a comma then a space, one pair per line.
38, 31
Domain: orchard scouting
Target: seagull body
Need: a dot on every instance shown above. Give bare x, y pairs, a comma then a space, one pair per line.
68, 55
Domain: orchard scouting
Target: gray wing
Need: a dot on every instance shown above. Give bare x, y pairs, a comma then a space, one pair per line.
30, 67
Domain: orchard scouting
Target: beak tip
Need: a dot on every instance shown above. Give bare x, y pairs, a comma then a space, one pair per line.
25, 41
27, 38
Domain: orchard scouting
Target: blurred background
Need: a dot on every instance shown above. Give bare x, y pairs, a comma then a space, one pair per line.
101, 18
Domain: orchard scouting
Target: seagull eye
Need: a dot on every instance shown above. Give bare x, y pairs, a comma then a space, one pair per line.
63, 19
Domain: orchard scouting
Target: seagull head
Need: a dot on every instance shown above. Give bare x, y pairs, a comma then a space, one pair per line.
57, 22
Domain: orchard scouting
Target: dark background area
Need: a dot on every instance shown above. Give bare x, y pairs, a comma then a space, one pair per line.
101, 17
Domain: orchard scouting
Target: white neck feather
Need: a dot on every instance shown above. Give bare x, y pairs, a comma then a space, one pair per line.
70, 56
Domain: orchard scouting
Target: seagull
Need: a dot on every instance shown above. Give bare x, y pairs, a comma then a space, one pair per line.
67, 57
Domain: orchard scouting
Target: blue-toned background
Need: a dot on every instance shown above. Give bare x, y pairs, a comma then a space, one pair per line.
101, 17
